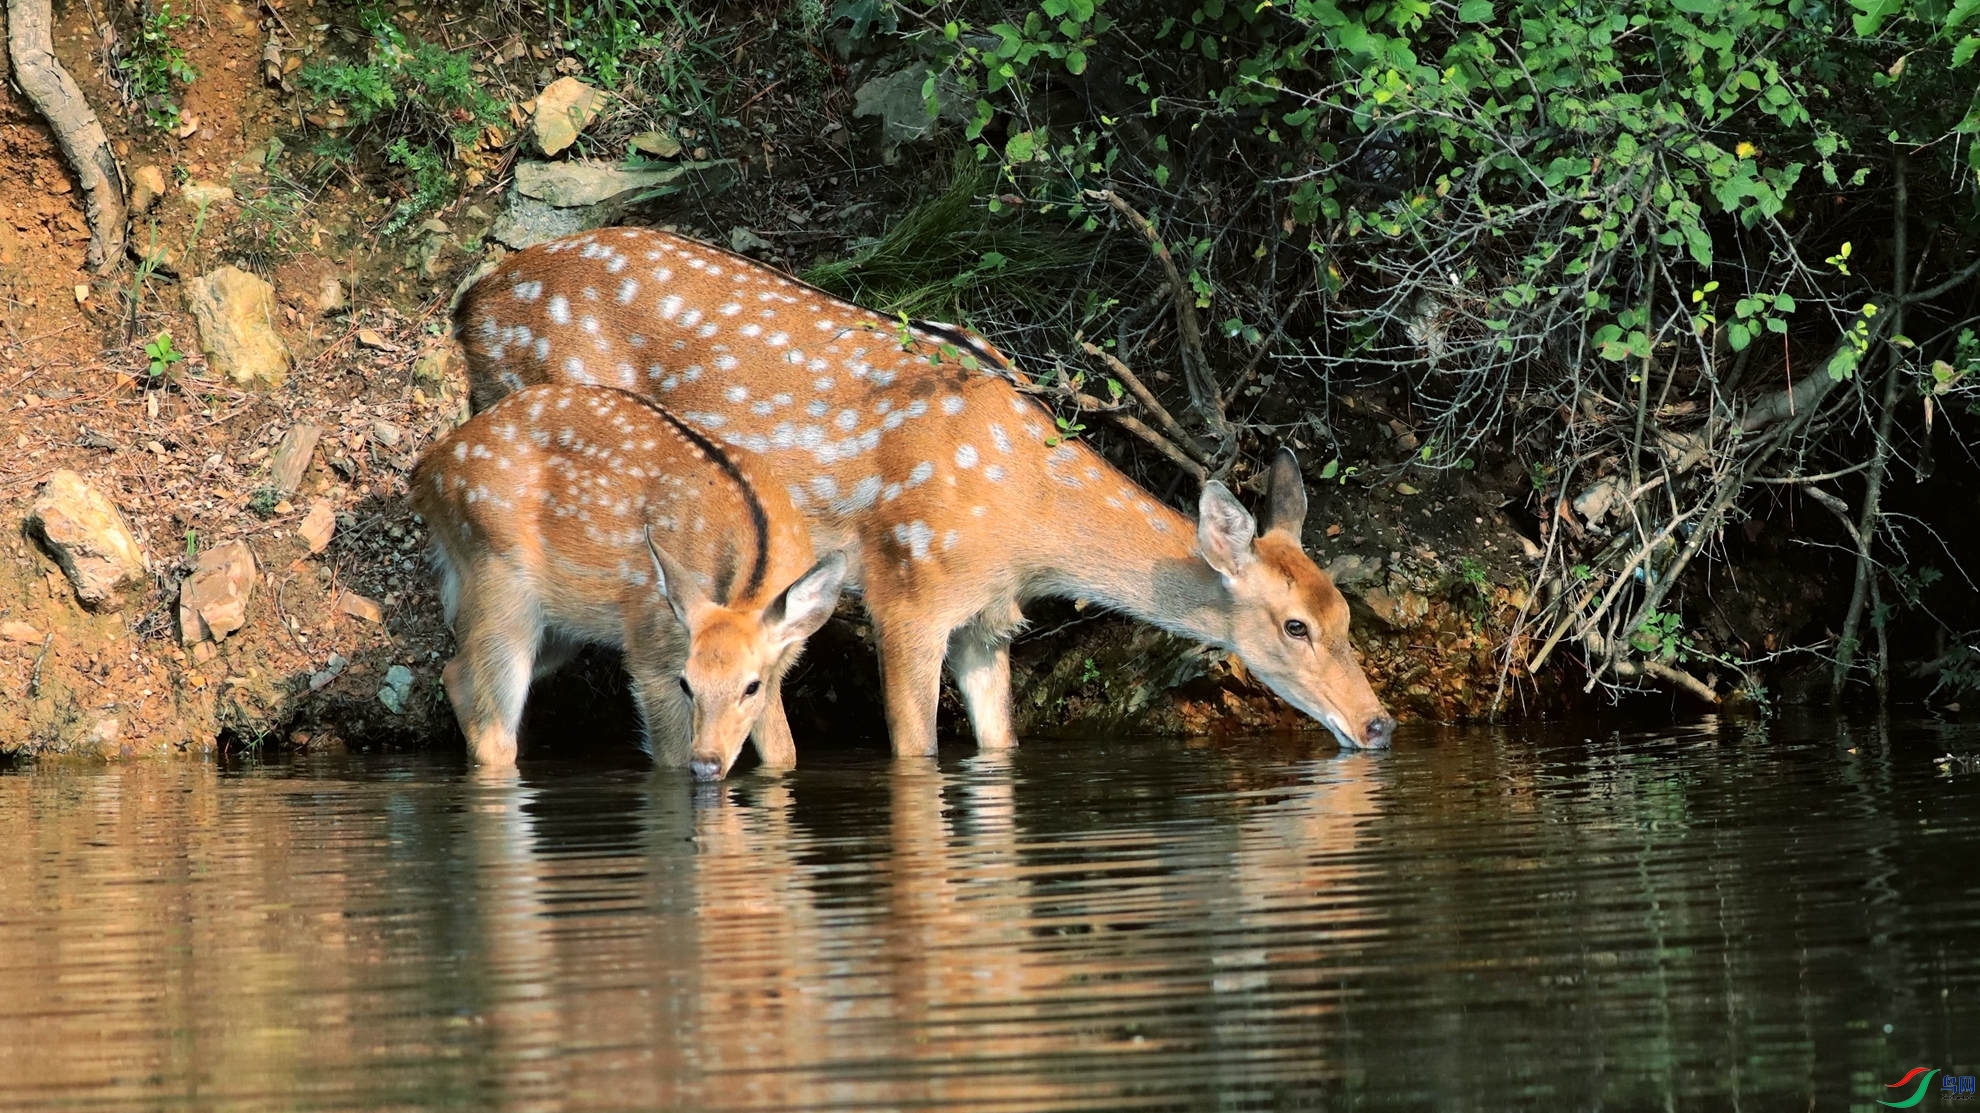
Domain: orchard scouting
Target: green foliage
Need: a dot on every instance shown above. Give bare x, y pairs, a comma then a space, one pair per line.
162, 356
154, 67
414, 106
658, 55
947, 258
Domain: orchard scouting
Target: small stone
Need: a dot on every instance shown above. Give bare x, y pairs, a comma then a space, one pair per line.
318, 526
205, 195
291, 459
360, 607
213, 600
330, 296
656, 143
103, 734
436, 366
371, 338
332, 669
20, 632
147, 186
86, 534
387, 434
742, 241
563, 109
398, 682
236, 315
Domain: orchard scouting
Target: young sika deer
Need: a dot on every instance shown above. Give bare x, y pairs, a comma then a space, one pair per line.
942, 482
565, 515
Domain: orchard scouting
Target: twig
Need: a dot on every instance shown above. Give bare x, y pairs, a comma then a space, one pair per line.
1873, 486
1087, 403
1147, 398
1204, 393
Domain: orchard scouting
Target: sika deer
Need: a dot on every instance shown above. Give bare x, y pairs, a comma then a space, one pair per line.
565, 515
909, 448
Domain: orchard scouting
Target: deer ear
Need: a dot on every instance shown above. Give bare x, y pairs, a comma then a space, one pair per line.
1285, 496
1224, 530
804, 606
682, 590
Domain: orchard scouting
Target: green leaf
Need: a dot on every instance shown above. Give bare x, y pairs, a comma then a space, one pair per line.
1475, 11
1738, 336
1020, 147
1076, 61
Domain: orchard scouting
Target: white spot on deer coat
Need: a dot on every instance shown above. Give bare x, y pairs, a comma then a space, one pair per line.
921, 473
952, 405
560, 310
966, 456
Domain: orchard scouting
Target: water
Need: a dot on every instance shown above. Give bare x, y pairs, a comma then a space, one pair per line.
1716, 917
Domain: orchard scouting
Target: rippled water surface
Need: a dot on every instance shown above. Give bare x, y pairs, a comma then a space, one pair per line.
1717, 917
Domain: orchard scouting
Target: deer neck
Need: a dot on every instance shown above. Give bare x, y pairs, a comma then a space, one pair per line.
1133, 554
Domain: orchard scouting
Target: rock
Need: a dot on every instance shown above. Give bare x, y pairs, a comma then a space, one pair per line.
332, 669
742, 241
103, 734
526, 222
372, 338
205, 195
437, 367
1593, 502
291, 459
896, 100
398, 682
576, 184
659, 144
86, 534
318, 526
1353, 570
330, 296
551, 200
357, 606
236, 315
563, 109
213, 600
387, 434
147, 186
20, 632
1393, 612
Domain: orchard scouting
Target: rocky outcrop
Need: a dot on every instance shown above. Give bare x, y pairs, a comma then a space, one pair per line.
86, 534
236, 315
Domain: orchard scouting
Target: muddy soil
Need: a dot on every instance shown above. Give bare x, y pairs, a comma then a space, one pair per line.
1431, 564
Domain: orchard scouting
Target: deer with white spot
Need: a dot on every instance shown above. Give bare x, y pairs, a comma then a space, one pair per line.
568, 515
908, 448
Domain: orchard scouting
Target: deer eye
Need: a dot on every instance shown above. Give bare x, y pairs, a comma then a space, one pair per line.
754, 687
1296, 629
685, 690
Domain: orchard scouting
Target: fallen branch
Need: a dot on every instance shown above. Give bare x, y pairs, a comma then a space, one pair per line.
1147, 398
31, 46
1204, 393
1087, 403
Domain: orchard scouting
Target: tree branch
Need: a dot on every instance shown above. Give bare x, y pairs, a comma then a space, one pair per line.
31, 45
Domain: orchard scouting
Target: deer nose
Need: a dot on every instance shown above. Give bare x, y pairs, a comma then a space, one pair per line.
705, 769
1378, 732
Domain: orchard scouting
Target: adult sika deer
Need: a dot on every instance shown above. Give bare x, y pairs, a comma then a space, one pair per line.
943, 483
567, 515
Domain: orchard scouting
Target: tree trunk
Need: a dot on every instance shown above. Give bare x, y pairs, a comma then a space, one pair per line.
31, 46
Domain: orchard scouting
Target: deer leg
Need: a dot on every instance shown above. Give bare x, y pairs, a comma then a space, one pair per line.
911, 675
491, 677
980, 662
